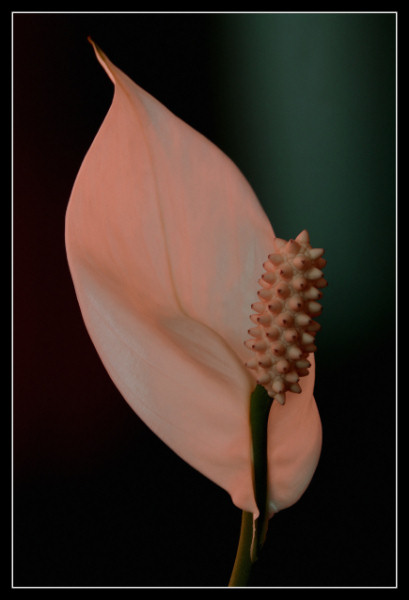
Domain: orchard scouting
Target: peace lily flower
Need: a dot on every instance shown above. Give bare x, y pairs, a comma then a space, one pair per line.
166, 244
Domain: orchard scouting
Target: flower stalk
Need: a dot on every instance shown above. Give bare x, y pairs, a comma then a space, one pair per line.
253, 531
242, 565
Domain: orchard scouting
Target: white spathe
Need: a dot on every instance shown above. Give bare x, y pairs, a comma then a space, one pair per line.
165, 242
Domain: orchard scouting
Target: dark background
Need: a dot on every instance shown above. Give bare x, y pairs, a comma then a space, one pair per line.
305, 106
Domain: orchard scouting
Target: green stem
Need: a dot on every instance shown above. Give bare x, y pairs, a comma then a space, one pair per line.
260, 406
242, 565
253, 532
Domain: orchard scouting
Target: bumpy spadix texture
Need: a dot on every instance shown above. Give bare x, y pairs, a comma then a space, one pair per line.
285, 329
165, 241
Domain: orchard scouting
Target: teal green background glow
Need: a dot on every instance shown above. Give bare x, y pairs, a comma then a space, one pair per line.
309, 116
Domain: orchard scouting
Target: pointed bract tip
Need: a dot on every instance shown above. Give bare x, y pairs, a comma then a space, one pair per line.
95, 46
280, 398
102, 59
292, 247
303, 237
275, 258
316, 253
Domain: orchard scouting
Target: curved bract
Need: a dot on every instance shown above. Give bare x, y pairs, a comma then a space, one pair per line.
165, 242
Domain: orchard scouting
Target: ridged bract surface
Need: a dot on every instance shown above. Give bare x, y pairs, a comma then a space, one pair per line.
284, 327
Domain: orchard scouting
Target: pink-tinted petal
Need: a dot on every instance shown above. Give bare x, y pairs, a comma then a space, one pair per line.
173, 365
165, 242
178, 376
294, 444
215, 233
